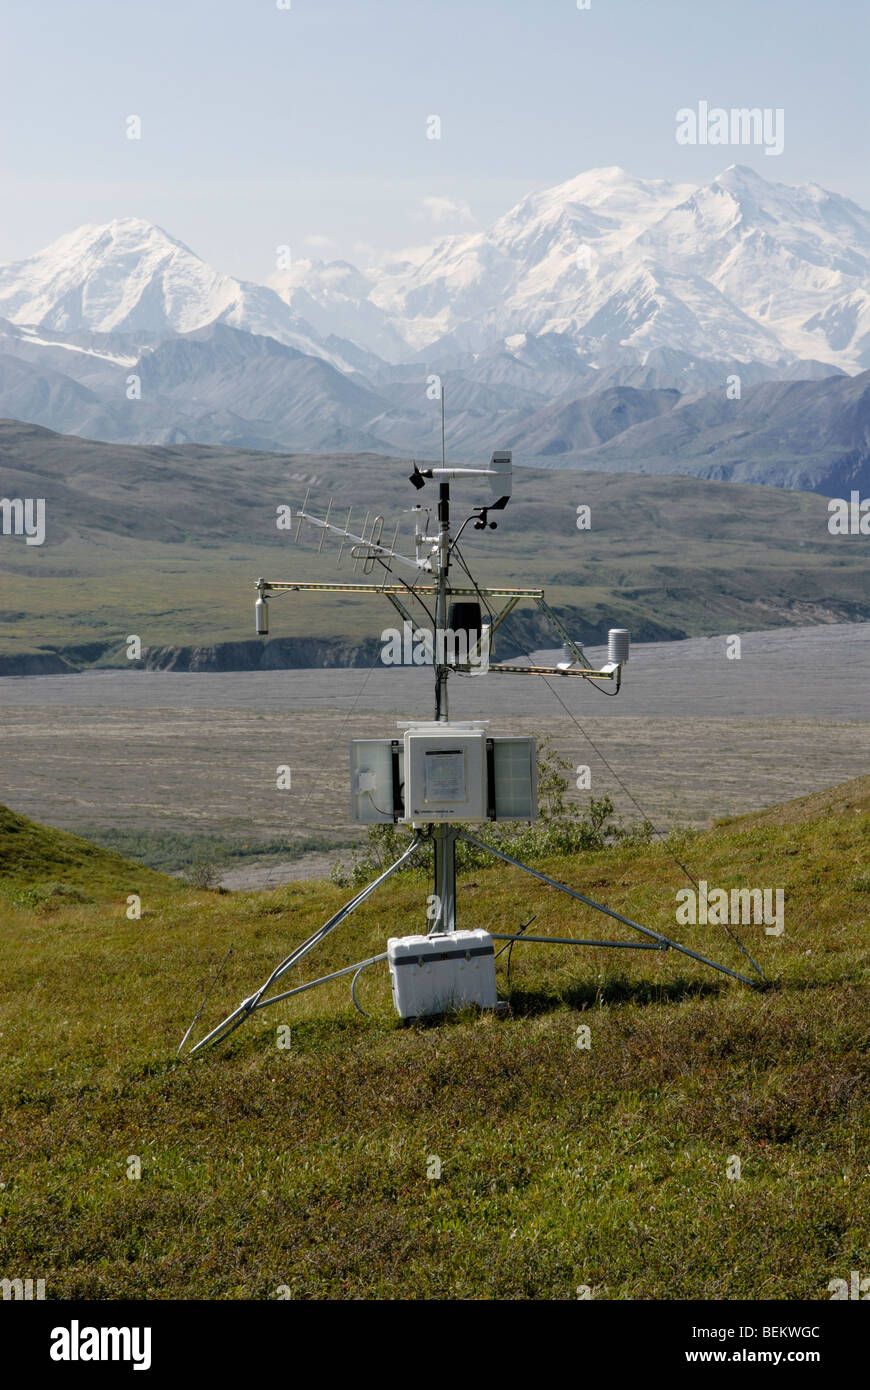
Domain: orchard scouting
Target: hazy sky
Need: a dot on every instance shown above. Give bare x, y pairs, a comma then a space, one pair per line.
307, 126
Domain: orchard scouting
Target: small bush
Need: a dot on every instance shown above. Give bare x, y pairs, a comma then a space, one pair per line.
47, 897
203, 873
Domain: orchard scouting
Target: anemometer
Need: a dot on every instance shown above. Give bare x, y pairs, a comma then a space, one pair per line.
441, 776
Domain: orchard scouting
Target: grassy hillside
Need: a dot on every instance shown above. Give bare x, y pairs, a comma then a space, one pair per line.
166, 543
35, 857
306, 1168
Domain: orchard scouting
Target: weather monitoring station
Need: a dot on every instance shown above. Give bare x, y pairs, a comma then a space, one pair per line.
440, 776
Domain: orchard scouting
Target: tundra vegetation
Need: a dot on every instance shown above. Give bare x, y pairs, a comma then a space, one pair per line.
565, 1158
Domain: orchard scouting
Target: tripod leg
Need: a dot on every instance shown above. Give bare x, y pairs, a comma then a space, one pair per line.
232, 1021
599, 907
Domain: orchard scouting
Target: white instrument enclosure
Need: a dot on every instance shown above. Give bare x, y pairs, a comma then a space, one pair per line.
434, 974
445, 774
441, 773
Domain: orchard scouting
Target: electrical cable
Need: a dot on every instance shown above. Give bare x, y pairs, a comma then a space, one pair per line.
353, 988
509, 946
471, 675
460, 557
388, 815
412, 588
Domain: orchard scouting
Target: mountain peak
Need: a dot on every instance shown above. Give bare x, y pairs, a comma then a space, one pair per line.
122, 233
141, 225
611, 174
741, 178
742, 172
596, 186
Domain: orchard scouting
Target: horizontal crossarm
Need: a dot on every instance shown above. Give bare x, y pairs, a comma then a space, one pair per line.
302, 586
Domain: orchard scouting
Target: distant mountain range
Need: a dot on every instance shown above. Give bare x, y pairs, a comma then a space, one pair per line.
594, 325
167, 542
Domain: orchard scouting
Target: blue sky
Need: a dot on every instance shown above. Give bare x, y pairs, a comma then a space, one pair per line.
264, 126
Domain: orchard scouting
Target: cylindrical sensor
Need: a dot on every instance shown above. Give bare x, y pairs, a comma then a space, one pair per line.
261, 610
618, 639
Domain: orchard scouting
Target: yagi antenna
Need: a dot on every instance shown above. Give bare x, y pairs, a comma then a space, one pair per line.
367, 546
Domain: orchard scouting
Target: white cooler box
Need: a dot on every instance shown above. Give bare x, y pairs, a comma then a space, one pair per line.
433, 974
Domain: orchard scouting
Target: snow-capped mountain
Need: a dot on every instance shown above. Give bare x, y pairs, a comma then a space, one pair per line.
536, 270
614, 266
741, 267
580, 315
795, 261
132, 277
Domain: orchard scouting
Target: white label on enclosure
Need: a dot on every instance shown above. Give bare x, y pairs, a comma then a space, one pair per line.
445, 775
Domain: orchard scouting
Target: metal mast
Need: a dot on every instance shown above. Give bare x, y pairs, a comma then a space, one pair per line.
441, 669
443, 836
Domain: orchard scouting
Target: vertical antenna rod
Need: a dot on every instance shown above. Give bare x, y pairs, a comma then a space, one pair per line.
443, 453
443, 836
441, 603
